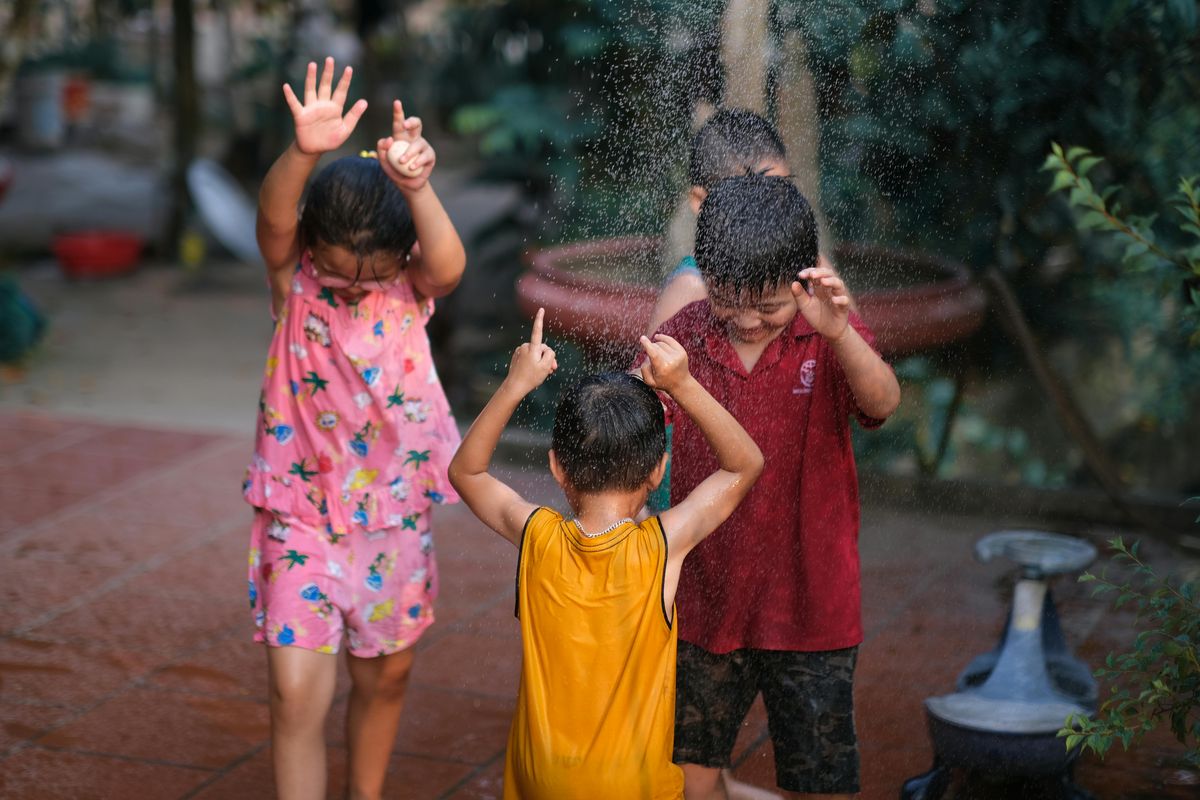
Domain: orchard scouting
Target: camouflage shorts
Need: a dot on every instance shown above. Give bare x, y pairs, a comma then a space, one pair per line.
810, 712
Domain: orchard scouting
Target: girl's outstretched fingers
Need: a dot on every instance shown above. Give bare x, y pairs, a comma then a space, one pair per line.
310, 83
355, 114
293, 102
325, 89
343, 88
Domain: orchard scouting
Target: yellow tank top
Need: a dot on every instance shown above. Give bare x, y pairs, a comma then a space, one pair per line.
595, 716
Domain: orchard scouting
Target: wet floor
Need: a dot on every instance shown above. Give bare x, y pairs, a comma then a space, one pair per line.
127, 670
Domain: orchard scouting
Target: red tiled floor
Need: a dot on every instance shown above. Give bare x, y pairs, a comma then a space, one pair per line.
34, 484
152, 622
24, 501
442, 724
496, 620
408, 777
158, 445
470, 663
213, 563
87, 471
232, 667
33, 588
157, 670
153, 725
889, 716
1152, 769
82, 539
460, 727
21, 723
757, 767
40, 774
171, 500
487, 784
883, 770
67, 675
752, 732
25, 435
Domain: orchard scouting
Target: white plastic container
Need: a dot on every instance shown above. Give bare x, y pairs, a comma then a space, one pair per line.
40, 119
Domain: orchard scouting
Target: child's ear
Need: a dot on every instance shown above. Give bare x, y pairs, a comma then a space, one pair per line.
659, 472
696, 198
557, 471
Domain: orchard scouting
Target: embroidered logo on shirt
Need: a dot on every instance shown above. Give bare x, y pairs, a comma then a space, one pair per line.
808, 374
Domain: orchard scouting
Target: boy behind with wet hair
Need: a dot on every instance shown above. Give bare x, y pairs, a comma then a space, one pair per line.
733, 141
595, 711
770, 602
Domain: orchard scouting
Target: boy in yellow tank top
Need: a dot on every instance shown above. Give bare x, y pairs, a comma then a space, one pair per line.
596, 594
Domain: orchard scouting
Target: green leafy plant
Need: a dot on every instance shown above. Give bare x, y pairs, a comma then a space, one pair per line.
935, 115
918, 437
1144, 253
935, 118
1147, 278
1158, 678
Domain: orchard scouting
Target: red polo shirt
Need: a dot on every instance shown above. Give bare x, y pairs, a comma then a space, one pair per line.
782, 572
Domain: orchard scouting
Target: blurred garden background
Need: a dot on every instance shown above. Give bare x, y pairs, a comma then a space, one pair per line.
1037, 157
922, 126
917, 125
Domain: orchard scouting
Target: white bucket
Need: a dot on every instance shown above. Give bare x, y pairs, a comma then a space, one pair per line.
40, 119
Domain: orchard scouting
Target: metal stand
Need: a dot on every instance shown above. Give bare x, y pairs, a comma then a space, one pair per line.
1011, 702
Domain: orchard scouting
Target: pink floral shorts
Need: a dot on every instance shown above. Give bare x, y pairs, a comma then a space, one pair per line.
307, 588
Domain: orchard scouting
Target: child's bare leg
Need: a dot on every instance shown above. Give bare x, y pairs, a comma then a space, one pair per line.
710, 783
301, 684
373, 717
738, 790
703, 783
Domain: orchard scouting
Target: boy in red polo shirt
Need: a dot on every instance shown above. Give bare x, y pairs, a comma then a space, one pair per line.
770, 601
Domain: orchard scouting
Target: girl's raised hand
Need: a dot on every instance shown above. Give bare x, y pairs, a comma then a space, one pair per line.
533, 361
824, 302
666, 365
405, 155
320, 125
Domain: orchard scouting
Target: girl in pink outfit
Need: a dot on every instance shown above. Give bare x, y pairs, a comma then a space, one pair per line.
354, 433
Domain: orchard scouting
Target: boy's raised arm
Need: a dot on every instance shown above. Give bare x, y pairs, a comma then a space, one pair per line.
739, 460
872, 382
496, 503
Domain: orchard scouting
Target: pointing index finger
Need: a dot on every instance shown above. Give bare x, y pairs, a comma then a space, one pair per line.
535, 339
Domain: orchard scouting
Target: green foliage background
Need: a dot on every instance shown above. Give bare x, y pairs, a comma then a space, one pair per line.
935, 119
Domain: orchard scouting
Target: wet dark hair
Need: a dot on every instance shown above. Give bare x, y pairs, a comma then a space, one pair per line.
732, 142
609, 432
351, 203
754, 234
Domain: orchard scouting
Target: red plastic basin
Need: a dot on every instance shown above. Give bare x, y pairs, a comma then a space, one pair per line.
97, 254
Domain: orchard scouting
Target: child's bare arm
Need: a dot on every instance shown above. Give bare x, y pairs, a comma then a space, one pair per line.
496, 503
320, 127
739, 460
872, 382
438, 260
685, 288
